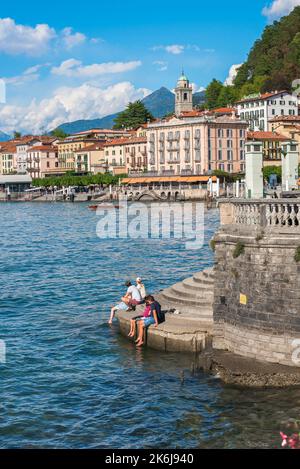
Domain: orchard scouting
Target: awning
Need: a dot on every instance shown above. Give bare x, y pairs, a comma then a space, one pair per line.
161, 179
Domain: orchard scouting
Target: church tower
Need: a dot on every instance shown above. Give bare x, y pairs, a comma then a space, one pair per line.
183, 95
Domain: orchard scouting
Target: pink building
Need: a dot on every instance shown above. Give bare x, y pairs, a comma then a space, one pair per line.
42, 161
196, 145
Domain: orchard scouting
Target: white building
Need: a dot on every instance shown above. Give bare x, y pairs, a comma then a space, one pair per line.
259, 109
22, 146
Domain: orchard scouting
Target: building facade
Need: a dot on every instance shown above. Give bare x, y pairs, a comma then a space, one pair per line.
42, 161
258, 110
25, 143
129, 153
8, 162
271, 146
90, 159
67, 151
196, 146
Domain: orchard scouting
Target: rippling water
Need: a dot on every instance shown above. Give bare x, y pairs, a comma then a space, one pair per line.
70, 381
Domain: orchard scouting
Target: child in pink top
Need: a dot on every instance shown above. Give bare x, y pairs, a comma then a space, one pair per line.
146, 314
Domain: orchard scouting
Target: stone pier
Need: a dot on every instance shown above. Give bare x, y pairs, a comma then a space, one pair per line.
257, 280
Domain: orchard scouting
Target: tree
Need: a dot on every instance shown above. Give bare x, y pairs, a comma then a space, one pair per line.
134, 115
228, 96
212, 94
17, 134
59, 133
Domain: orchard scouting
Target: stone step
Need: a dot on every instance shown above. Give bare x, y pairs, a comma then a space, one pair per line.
172, 298
201, 278
190, 284
190, 314
179, 290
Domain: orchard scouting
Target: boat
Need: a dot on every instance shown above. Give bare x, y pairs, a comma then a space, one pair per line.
104, 206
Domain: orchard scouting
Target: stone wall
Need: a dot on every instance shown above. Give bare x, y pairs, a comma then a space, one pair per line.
257, 294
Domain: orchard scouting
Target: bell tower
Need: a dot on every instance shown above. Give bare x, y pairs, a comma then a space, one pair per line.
183, 95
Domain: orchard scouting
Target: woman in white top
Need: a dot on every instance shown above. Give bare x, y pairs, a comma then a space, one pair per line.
141, 287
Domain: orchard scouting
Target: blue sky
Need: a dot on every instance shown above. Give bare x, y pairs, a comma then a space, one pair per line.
89, 60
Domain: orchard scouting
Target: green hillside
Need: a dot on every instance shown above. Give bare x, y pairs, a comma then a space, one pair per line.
272, 64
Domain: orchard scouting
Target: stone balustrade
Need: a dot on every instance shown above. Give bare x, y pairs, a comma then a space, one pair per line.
267, 213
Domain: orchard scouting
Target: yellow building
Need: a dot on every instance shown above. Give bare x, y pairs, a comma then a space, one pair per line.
289, 126
130, 154
67, 149
90, 159
8, 164
272, 145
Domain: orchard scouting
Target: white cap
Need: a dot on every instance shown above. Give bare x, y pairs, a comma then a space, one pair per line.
138, 279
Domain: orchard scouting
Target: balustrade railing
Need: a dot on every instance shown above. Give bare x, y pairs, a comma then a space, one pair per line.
271, 213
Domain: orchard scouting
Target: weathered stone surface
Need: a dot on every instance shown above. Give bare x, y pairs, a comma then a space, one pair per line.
267, 275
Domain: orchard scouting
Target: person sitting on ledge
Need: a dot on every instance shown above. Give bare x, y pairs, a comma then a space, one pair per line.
133, 296
153, 319
128, 301
133, 321
141, 287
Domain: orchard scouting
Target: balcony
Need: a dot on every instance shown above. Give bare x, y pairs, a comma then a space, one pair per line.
177, 161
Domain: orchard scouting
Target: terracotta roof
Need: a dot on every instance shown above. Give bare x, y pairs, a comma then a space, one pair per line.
45, 148
94, 147
262, 97
125, 141
193, 113
266, 136
223, 110
29, 138
285, 119
107, 131
7, 147
74, 140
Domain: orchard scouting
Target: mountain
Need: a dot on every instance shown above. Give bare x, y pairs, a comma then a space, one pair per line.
4, 137
159, 103
199, 98
274, 60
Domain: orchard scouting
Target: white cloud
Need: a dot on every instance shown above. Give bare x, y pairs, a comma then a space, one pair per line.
279, 8
71, 39
19, 39
232, 74
74, 68
29, 75
162, 66
174, 49
68, 104
196, 88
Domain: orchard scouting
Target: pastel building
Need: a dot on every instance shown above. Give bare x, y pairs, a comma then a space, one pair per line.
42, 161
271, 146
67, 151
22, 146
8, 163
90, 159
198, 145
129, 153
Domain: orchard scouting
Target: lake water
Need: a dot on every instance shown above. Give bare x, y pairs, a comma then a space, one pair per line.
70, 381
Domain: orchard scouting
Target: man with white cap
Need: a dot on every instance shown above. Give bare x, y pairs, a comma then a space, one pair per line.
141, 287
